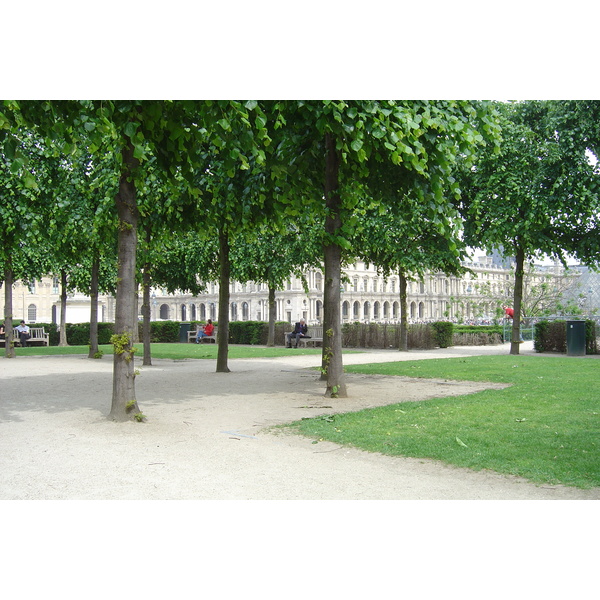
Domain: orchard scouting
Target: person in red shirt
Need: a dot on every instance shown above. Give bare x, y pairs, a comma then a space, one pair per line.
204, 331
510, 313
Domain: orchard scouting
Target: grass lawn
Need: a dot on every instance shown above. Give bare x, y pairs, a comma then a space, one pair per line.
545, 427
174, 351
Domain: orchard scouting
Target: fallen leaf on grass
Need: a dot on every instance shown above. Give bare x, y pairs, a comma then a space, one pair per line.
461, 443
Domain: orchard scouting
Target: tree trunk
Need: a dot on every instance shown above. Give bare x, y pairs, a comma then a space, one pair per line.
515, 344
224, 274
9, 346
63, 308
331, 365
403, 314
134, 316
272, 316
146, 282
94, 307
124, 405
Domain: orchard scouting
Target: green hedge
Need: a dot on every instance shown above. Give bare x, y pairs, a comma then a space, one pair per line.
164, 332
256, 332
443, 333
375, 335
78, 334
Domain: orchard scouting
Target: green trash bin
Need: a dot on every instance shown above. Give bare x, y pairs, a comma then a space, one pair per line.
184, 328
575, 338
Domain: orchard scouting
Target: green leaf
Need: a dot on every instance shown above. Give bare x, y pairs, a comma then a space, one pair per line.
356, 145
10, 145
251, 104
130, 129
29, 181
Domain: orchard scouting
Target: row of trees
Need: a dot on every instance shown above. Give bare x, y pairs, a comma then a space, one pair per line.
173, 193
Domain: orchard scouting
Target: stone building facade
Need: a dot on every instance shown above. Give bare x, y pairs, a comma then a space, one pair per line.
366, 297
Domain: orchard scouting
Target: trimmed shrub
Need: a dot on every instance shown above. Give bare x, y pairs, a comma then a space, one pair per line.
591, 342
550, 336
163, 331
443, 333
248, 332
374, 335
477, 335
78, 334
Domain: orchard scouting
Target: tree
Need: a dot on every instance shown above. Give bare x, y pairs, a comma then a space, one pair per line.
20, 215
407, 242
324, 152
271, 254
529, 196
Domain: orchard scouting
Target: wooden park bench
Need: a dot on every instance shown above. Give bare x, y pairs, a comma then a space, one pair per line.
38, 334
207, 338
315, 335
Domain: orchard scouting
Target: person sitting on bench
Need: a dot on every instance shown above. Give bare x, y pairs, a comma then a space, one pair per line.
23, 333
300, 330
205, 331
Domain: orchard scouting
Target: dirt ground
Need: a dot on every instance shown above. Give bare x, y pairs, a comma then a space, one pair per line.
209, 435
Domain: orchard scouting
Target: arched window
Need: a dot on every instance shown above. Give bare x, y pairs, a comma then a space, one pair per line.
234, 316
193, 312
203, 312
345, 309
319, 282
413, 310
421, 310
395, 310
183, 312
319, 309
164, 311
367, 311
244, 311
386, 310
356, 311
32, 313
376, 311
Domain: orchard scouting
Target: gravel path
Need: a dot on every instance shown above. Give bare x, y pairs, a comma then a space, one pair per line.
209, 435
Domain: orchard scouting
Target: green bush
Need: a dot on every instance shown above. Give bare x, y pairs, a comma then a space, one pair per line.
550, 336
443, 333
374, 335
78, 334
248, 332
163, 331
477, 335
591, 343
